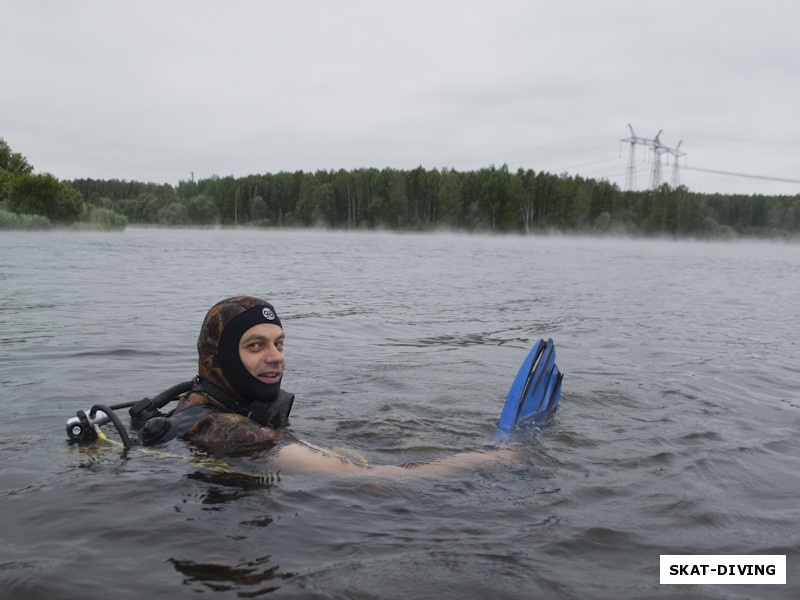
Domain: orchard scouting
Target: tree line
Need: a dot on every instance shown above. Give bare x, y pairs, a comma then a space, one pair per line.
492, 199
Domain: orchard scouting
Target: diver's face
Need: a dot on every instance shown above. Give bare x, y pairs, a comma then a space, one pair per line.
261, 352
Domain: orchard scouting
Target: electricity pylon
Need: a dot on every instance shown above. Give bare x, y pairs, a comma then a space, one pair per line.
659, 150
630, 180
676, 175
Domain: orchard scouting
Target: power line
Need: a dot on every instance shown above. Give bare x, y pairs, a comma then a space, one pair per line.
731, 173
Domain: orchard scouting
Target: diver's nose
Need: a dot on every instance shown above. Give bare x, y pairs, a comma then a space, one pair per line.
273, 356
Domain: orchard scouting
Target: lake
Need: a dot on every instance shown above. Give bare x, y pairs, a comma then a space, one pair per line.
677, 432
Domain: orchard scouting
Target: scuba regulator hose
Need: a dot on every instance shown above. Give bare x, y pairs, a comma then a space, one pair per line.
123, 433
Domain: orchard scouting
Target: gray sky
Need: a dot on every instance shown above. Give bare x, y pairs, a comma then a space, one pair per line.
158, 90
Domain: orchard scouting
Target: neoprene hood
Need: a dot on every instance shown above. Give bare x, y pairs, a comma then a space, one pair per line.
218, 348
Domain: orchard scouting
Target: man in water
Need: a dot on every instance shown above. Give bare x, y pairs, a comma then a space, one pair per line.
238, 404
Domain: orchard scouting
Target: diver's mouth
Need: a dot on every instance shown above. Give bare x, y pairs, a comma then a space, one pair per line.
270, 376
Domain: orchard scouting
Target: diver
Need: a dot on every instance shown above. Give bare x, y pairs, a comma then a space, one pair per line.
236, 404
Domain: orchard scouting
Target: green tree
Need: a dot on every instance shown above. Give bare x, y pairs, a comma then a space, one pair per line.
13, 162
449, 199
325, 201
202, 210
514, 203
579, 205
344, 196
307, 210
173, 214
12, 165
68, 205
5, 184
494, 193
396, 209
45, 195
258, 208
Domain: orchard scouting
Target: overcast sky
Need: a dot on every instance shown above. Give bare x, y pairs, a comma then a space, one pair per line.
165, 90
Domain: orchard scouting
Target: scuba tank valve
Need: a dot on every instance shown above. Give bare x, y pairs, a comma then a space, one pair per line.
81, 428
84, 426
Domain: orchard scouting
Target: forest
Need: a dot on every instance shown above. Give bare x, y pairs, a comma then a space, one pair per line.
492, 199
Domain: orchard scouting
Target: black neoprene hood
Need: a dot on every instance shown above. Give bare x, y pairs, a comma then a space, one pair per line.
248, 386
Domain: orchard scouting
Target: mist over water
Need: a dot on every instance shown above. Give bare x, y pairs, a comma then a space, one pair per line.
677, 431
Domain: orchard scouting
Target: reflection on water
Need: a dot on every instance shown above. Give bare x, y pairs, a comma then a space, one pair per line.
249, 579
676, 432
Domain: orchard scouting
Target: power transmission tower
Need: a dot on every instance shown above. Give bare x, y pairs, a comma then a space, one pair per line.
630, 180
676, 175
659, 150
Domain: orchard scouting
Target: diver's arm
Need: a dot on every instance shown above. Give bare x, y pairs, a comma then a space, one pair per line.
303, 459
226, 433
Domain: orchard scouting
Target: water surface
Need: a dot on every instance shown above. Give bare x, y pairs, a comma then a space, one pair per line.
677, 431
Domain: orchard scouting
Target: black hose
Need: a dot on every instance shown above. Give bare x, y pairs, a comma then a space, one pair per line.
176, 390
146, 408
163, 398
126, 440
123, 405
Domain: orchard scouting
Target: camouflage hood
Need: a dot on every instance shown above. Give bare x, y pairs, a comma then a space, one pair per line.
218, 348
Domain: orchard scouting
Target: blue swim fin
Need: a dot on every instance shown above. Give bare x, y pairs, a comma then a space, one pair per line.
536, 388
